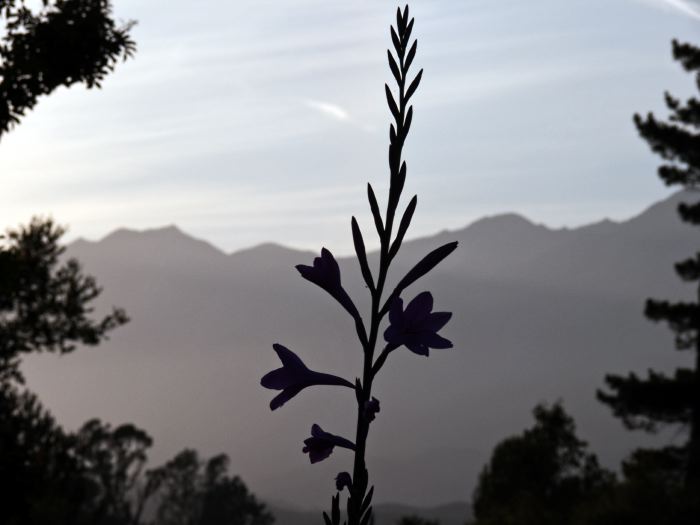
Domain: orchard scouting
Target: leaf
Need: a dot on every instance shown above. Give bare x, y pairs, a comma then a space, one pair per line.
361, 254
335, 509
407, 34
407, 122
326, 519
428, 262
400, 21
398, 180
410, 56
392, 103
397, 43
394, 67
403, 226
414, 85
367, 501
392, 134
375, 210
366, 517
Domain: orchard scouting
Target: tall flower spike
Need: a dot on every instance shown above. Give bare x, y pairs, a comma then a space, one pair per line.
294, 376
320, 445
417, 326
325, 273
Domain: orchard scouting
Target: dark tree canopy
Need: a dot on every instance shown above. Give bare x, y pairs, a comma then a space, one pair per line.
41, 480
63, 43
98, 476
45, 302
196, 492
416, 520
659, 399
539, 477
113, 461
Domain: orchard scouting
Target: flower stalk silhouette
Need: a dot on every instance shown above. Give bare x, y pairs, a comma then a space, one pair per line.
415, 327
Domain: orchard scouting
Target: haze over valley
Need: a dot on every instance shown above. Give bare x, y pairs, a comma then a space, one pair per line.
540, 314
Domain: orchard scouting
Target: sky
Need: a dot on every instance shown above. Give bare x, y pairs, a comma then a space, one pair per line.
257, 120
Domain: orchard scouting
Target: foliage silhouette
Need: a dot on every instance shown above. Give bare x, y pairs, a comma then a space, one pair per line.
113, 461
45, 302
41, 479
540, 477
193, 492
415, 520
660, 399
97, 476
62, 43
416, 327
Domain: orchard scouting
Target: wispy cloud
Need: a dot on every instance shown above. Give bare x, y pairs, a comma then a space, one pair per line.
687, 7
331, 110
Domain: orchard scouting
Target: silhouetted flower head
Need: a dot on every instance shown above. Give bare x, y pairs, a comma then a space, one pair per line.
294, 376
417, 326
343, 480
320, 445
325, 273
371, 408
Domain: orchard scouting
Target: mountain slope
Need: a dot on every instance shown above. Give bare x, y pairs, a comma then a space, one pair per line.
539, 315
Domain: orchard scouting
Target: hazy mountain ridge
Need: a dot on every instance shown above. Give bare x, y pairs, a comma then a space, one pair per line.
385, 514
539, 314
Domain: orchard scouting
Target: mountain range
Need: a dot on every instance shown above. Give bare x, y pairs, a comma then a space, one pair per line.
540, 315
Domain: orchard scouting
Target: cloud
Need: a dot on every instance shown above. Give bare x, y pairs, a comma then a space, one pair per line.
688, 7
332, 110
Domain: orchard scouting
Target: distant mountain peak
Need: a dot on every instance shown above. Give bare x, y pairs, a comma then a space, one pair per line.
505, 222
266, 248
170, 231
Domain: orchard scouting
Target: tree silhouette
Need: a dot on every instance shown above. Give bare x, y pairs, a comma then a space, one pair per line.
60, 44
539, 477
114, 460
41, 479
193, 492
415, 520
45, 302
660, 399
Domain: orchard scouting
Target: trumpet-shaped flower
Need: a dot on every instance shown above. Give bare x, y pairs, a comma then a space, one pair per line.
320, 445
325, 273
294, 376
417, 325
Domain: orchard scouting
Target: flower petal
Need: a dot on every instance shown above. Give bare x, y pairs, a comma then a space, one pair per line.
417, 348
419, 307
393, 335
436, 320
396, 311
278, 379
435, 341
330, 266
317, 449
284, 396
288, 357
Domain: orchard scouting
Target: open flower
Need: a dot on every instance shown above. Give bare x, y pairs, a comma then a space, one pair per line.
325, 273
320, 445
294, 376
417, 326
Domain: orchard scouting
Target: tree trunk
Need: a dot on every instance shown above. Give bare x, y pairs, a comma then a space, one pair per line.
692, 480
